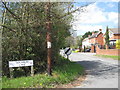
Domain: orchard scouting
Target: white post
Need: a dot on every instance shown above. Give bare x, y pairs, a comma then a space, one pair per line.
32, 71
11, 72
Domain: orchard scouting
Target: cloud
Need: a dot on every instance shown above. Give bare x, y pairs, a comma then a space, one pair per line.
113, 17
81, 29
93, 15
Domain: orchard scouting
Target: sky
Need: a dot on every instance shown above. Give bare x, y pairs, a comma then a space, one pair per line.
96, 16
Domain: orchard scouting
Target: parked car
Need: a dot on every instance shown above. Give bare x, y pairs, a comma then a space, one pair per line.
87, 50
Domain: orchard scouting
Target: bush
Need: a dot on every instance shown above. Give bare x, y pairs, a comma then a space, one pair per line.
118, 44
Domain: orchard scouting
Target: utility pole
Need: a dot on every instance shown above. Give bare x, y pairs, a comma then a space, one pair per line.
48, 37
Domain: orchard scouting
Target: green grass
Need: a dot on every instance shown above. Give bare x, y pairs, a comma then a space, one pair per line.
108, 56
0, 83
64, 72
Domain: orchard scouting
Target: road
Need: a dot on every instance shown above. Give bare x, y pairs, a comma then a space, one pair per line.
101, 72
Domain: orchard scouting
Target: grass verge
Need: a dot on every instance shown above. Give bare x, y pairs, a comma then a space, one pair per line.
108, 56
64, 72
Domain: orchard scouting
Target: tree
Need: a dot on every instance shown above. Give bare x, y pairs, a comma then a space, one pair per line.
118, 44
70, 41
79, 42
107, 37
86, 34
24, 32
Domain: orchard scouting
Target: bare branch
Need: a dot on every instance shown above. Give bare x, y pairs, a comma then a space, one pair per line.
8, 28
68, 13
13, 14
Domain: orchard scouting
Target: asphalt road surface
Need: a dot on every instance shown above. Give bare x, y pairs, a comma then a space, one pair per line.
101, 72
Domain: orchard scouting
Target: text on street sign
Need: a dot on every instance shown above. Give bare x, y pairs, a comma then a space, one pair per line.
21, 63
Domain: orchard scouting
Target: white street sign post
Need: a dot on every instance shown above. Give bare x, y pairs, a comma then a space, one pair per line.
21, 63
67, 51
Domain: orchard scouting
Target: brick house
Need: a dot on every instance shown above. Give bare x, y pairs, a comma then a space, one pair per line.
112, 51
114, 35
96, 39
99, 39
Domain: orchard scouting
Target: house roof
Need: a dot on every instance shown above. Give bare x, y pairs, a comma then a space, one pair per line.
95, 35
114, 30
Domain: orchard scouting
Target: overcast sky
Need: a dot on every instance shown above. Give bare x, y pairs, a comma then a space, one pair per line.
97, 16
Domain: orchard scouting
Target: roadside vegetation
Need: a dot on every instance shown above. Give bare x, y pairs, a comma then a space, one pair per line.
64, 72
108, 56
24, 32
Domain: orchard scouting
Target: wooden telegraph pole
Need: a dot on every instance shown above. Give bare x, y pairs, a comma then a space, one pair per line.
48, 37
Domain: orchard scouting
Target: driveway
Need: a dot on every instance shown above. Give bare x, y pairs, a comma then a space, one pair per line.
101, 72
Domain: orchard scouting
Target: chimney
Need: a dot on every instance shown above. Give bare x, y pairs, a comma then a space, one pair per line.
93, 33
100, 30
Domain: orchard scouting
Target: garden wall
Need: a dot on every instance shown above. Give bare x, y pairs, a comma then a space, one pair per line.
112, 52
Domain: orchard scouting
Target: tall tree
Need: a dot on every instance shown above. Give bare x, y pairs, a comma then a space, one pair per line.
107, 37
79, 42
24, 32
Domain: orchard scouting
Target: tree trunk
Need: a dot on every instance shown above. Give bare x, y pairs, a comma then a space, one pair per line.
48, 38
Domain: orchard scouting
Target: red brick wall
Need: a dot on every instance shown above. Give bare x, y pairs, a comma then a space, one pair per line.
100, 39
112, 52
92, 40
92, 49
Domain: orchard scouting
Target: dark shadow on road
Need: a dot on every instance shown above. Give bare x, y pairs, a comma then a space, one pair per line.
98, 68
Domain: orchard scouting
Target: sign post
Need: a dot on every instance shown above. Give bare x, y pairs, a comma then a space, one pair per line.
11, 72
67, 52
32, 71
22, 63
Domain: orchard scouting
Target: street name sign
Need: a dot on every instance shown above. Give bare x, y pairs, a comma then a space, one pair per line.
21, 63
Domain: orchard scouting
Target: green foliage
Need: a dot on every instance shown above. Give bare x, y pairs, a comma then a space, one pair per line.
62, 73
86, 34
107, 36
24, 33
79, 43
79, 40
69, 41
118, 44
